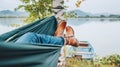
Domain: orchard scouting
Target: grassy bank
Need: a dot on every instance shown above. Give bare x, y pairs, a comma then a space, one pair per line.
107, 61
73, 62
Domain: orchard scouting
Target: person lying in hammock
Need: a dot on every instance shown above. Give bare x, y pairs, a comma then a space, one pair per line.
59, 37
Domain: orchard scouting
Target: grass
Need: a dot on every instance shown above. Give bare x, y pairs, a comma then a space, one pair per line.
75, 62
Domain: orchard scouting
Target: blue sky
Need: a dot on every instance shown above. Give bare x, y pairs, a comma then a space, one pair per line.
92, 6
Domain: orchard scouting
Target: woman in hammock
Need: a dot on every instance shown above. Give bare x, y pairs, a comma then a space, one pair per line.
59, 37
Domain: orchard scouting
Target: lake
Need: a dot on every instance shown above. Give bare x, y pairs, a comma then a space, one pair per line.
103, 34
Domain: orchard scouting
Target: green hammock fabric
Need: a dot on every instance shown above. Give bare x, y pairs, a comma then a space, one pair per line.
29, 55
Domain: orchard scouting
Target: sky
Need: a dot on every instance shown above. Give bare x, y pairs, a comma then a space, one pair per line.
91, 6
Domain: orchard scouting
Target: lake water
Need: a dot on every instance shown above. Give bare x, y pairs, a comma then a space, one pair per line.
102, 34
7, 24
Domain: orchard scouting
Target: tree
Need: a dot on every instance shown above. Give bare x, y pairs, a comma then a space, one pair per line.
37, 9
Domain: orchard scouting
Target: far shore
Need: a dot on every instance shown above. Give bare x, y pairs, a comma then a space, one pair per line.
13, 17
67, 17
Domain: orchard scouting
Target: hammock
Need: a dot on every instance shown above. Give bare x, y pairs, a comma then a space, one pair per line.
29, 55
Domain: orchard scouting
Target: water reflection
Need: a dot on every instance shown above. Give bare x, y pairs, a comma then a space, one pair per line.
80, 21
10, 21
77, 22
8, 24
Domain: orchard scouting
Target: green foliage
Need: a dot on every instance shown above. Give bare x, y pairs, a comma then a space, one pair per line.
37, 8
75, 62
70, 15
107, 61
112, 59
